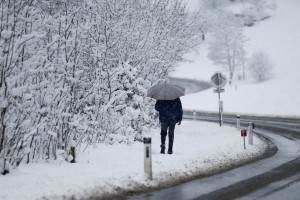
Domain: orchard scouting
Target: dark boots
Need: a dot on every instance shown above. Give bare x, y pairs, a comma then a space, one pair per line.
163, 148
170, 149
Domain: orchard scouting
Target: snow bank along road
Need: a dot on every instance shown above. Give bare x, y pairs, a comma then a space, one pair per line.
251, 181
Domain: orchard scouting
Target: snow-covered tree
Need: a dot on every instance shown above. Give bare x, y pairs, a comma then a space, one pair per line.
77, 72
259, 9
19, 57
260, 65
227, 45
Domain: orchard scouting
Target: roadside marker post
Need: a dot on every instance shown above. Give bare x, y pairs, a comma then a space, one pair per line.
148, 157
244, 134
238, 121
250, 130
194, 115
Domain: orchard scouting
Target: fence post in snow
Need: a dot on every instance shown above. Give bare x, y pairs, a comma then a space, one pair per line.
72, 151
147, 157
194, 115
4, 167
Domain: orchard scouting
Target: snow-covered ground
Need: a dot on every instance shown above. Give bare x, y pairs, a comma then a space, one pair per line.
278, 36
200, 147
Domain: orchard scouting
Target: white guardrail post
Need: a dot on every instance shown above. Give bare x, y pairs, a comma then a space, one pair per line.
147, 157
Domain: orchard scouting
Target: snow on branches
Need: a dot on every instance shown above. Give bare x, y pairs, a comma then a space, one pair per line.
77, 72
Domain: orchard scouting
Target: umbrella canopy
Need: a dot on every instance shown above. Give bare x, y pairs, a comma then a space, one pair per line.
165, 91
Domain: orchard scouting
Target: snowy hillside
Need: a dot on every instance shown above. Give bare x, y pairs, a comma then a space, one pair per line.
278, 36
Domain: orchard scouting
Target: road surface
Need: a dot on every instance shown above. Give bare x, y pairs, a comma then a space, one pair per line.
271, 178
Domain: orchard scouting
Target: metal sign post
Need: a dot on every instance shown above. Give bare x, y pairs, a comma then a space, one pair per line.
218, 81
147, 157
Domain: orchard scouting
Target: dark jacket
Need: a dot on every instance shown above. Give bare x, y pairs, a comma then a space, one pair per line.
169, 110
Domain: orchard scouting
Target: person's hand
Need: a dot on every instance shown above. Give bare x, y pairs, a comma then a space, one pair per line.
179, 123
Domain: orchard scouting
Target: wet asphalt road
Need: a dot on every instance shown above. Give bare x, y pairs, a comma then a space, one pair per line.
252, 181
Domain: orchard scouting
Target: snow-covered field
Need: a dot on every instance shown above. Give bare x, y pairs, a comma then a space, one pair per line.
278, 36
199, 147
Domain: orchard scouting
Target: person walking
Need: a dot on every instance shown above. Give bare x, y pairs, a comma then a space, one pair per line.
170, 113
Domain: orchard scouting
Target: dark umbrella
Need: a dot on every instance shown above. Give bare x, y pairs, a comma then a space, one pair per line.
165, 91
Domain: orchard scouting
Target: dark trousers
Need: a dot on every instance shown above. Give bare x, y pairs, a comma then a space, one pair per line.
164, 131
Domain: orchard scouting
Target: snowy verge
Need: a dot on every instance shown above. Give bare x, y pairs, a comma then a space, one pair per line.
200, 149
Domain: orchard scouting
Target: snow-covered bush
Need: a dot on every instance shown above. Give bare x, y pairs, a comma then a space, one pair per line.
260, 66
79, 71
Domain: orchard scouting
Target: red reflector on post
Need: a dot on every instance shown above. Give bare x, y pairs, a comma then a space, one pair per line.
243, 133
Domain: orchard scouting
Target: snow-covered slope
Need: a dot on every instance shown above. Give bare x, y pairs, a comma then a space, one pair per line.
278, 36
